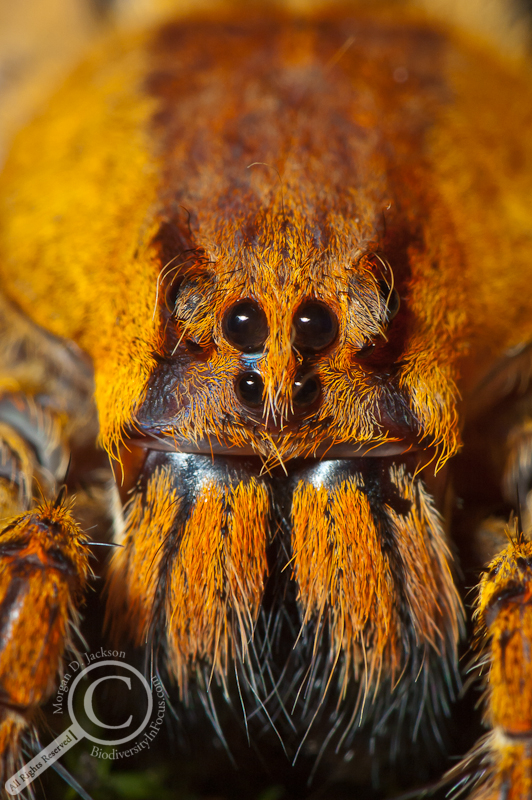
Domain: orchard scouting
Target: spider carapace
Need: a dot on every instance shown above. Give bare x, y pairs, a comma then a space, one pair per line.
290, 258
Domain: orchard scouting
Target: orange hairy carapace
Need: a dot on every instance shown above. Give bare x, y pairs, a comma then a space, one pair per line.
296, 252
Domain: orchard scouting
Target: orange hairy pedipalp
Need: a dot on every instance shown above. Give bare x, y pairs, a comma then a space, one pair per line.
501, 763
44, 571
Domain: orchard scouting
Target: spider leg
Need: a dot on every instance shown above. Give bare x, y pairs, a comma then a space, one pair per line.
500, 767
43, 571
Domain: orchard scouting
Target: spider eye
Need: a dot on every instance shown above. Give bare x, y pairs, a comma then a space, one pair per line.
245, 326
249, 388
315, 326
306, 390
366, 350
391, 298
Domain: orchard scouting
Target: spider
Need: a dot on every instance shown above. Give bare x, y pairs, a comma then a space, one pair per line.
278, 267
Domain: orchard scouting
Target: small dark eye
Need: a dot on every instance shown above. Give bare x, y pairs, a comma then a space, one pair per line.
245, 326
249, 389
391, 298
306, 390
315, 326
366, 350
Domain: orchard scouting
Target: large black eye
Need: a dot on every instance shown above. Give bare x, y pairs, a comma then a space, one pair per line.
245, 326
392, 300
306, 390
249, 389
315, 326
